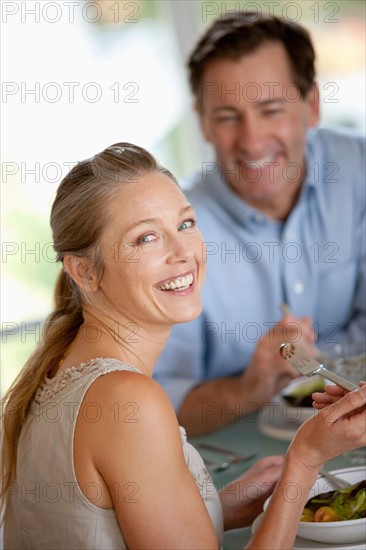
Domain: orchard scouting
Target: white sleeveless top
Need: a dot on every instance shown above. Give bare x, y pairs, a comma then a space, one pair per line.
48, 510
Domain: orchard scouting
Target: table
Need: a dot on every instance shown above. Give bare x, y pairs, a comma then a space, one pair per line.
245, 437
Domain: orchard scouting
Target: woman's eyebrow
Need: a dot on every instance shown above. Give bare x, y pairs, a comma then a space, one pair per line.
141, 222
155, 220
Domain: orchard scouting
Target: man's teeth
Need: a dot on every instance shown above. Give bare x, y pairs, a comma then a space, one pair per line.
182, 283
260, 162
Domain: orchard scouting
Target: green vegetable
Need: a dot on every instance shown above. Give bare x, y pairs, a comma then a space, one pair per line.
307, 516
346, 504
301, 396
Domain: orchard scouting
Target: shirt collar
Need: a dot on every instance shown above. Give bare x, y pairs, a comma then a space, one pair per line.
234, 205
312, 161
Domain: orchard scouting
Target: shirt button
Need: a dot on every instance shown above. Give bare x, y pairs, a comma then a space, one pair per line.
298, 288
258, 218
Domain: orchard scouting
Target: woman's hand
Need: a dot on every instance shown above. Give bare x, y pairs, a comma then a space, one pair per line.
243, 498
332, 394
339, 427
336, 429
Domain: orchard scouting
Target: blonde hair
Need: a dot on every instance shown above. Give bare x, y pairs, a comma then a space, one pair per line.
79, 214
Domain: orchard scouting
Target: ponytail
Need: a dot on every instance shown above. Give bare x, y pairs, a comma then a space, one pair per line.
59, 330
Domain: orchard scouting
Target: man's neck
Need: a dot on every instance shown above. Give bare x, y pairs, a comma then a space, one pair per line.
277, 208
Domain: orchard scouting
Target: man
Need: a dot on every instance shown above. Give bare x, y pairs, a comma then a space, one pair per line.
282, 212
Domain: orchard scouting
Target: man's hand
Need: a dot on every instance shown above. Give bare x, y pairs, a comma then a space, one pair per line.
216, 403
242, 500
268, 372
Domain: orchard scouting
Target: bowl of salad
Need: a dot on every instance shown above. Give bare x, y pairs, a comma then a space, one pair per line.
335, 516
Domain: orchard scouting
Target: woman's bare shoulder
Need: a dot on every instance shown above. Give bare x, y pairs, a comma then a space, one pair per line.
131, 397
118, 383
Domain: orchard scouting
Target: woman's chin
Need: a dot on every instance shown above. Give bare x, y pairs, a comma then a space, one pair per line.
188, 314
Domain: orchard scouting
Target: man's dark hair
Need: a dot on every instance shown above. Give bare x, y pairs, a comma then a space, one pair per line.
237, 34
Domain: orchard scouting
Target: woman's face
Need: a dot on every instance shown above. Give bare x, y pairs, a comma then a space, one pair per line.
154, 253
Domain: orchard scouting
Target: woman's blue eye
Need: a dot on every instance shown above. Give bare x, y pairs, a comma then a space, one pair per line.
146, 238
187, 224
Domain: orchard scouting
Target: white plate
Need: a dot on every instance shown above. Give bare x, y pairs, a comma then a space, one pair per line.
275, 422
297, 414
303, 544
281, 420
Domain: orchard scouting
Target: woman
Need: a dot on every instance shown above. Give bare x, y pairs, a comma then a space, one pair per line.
93, 456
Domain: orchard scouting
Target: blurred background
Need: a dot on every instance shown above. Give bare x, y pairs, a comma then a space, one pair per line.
78, 76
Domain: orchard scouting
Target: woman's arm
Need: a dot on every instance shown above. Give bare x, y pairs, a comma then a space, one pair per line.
139, 456
336, 429
243, 498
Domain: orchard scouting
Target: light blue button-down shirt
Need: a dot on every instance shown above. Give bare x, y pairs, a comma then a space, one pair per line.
315, 262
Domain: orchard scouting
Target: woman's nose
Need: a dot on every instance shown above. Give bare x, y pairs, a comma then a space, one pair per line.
179, 250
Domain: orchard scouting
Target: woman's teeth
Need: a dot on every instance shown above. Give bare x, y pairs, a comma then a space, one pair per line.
182, 283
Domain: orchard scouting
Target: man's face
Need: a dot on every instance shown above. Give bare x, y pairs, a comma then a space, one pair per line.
255, 118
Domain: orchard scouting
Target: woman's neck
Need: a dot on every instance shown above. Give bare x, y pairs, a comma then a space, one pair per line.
105, 336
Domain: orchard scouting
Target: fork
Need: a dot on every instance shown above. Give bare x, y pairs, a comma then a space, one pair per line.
306, 365
337, 481
285, 308
232, 457
221, 466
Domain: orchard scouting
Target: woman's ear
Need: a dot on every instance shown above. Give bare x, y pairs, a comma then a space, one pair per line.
80, 271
